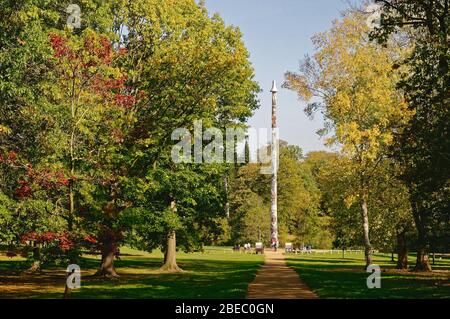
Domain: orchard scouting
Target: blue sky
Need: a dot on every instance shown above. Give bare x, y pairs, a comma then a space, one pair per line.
278, 34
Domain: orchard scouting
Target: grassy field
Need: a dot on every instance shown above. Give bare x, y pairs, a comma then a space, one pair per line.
217, 273
220, 273
331, 276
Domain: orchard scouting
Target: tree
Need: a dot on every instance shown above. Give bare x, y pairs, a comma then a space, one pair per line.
299, 199
355, 82
56, 80
298, 202
422, 148
249, 205
92, 112
390, 217
87, 116
190, 67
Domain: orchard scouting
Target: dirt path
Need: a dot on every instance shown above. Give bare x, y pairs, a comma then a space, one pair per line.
275, 280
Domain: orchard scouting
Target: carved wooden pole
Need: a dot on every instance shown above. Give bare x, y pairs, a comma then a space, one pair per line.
274, 151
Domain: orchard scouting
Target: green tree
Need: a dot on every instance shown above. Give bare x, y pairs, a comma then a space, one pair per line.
29, 109
190, 67
423, 147
249, 206
299, 215
390, 217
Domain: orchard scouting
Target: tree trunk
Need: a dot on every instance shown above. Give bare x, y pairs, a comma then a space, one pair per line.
66, 290
402, 251
36, 265
107, 268
227, 203
73, 258
422, 262
71, 207
170, 260
365, 223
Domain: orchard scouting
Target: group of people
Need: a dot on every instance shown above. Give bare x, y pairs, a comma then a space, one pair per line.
247, 247
307, 248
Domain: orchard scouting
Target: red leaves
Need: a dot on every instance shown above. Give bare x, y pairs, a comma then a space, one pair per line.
65, 241
98, 48
9, 158
12, 156
86, 59
48, 237
30, 236
31, 179
24, 190
44, 179
60, 46
117, 91
104, 52
122, 51
47, 179
103, 86
94, 51
90, 239
126, 101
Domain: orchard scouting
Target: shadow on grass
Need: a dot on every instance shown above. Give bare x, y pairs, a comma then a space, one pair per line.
337, 278
204, 277
201, 279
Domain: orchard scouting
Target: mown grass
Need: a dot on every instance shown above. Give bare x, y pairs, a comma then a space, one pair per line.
332, 276
217, 273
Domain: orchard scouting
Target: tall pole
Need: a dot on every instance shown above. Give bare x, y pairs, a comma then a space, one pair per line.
274, 151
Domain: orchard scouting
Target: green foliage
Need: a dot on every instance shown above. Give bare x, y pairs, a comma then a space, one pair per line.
423, 147
389, 214
299, 216
87, 115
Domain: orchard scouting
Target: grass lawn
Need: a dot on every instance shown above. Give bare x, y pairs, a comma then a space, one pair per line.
331, 276
217, 273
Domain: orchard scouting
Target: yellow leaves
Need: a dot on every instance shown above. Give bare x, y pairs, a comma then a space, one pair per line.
343, 103
299, 84
350, 200
330, 141
357, 83
5, 130
21, 42
364, 145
